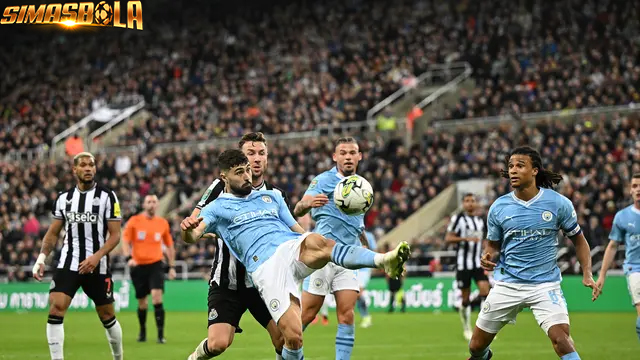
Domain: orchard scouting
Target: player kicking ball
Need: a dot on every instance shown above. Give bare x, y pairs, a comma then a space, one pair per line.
522, 231
261, 232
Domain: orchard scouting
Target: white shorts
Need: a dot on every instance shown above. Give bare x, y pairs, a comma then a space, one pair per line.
332, 278
281, 276
364, 276
506, 300
633, 281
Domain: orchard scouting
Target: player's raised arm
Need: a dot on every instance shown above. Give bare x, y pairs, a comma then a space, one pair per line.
313, 198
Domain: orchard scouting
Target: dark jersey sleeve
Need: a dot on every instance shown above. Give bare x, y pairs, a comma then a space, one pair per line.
282, 192
213, 191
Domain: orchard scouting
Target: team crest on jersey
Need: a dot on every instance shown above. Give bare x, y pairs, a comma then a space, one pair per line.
95, 202
267, 199
274, 305
158, 236
317, 283
213, 314
547, 216
487, 307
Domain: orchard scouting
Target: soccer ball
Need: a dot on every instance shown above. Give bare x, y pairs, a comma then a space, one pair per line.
353, 195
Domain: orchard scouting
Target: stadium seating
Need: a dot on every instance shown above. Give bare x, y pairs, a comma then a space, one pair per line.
220, 79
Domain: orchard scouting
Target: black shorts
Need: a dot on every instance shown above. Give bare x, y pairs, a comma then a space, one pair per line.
395, 284
98, 288
227, 306
463, 277
147, 277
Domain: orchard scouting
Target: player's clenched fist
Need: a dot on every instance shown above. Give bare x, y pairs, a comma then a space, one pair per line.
486, 261
190, 222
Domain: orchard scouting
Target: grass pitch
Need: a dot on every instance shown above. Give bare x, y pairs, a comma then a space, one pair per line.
396, 336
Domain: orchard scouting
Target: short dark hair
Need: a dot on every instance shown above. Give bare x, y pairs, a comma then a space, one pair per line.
252, 137
346, 140
466, 195
545, 178
231, 158
636, 175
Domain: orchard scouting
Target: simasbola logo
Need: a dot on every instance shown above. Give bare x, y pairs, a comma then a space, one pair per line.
77, 14
87, 217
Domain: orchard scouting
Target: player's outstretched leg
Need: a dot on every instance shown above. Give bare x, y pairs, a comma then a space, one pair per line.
113, 329
562, 343
219, 338
316, 251
638, 325
479, 345
291, 327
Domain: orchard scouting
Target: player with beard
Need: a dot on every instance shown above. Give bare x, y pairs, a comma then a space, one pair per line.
90, 213
231, 292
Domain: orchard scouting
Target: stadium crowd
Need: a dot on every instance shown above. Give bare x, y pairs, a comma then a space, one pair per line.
596, 160
277, 70
268, 70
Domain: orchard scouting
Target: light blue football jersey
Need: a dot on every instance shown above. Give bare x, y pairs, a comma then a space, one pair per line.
626, 230
528, 231
330, 221
252, 226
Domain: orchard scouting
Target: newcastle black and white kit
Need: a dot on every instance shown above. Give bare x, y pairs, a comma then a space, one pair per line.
231, 292
85, 214
468, 253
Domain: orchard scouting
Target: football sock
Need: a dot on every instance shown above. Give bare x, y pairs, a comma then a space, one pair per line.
482, 355
353, 257
345, 338
362, 307
571, 356
142, 319
159, 312
114, 336
638, 327
55, 337
288, 354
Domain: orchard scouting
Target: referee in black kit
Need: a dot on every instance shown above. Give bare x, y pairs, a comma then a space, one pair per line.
467, 230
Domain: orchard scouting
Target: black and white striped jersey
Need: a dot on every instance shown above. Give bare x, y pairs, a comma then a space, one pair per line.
468, 253
85, 214
226, 269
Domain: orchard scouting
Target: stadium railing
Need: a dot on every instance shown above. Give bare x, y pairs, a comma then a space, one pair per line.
131, 103
436, 71
529, 118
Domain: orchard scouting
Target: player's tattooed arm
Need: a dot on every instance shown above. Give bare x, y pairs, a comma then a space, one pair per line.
364, 240
51, 237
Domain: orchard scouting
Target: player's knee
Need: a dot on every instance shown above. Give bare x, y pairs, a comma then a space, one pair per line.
156, 297
293, 338
218, 344
105, 312
316, 242
57, 309
143, 303
346, 316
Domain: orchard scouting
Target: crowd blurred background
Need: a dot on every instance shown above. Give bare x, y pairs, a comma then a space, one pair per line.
295, 66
